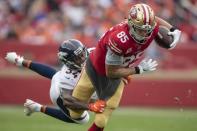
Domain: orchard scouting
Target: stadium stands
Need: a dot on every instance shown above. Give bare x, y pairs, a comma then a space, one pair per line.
51, 21
35, 28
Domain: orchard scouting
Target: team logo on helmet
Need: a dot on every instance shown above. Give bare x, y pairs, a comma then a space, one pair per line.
133, 13
141, 22
72, 53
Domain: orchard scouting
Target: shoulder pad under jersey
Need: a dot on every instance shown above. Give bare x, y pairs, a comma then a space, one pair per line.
91, 49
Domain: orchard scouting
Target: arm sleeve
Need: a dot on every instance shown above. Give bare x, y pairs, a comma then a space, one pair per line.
42, 69
112, 58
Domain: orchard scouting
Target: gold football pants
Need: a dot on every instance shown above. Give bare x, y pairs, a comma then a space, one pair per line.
83, 91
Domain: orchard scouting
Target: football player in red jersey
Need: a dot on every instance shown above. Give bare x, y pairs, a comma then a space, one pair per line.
114, 57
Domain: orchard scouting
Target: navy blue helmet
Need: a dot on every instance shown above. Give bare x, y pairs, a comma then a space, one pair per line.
73, 54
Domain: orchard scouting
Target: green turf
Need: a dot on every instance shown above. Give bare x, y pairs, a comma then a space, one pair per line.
124, 119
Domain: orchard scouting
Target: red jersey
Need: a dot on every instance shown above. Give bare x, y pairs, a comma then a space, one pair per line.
121, 43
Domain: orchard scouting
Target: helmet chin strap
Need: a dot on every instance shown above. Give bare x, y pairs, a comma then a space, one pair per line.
131, 32
136, 40
71, 64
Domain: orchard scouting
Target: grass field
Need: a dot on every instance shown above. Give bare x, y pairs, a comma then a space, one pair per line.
124, 119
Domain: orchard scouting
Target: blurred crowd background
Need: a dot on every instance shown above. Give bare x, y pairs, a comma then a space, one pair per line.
50, 22
41, 22
35, 28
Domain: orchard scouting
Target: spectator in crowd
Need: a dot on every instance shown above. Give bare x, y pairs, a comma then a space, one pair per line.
52, 21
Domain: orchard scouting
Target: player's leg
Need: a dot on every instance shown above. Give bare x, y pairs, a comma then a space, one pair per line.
84, 118
32, 106
57, 101
101, 119
83, 91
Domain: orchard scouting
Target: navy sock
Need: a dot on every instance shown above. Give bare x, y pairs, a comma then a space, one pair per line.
58, 114
42, 69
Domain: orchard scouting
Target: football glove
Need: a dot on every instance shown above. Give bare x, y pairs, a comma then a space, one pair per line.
12, 57
98, 106
146, 66
176, 34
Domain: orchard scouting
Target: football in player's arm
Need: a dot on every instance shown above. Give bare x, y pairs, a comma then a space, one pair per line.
114, 58
73, 54
146, 65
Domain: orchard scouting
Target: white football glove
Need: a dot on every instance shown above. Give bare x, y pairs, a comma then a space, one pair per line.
12, 57
176, 34
147, 66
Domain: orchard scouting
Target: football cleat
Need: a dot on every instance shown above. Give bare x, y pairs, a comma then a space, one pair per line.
31, 107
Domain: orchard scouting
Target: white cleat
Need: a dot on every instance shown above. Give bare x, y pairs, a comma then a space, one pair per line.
31, 107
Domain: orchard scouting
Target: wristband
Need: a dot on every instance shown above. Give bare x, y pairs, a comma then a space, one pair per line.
26, 63
137, 70
172, 29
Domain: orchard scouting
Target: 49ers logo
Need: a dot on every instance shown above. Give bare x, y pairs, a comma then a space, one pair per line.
133, 13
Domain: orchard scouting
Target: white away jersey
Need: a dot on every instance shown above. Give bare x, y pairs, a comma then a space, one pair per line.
67, 78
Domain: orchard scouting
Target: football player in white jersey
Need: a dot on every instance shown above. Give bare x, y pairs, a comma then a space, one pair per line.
73, 55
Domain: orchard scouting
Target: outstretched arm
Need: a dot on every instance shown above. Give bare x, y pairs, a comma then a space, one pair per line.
73, 103
175, 33
163, 22
114, 68
42, 69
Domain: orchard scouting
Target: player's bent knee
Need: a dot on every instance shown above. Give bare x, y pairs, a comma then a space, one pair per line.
84, 118
112, 105
114, 101
101, 120
75, 114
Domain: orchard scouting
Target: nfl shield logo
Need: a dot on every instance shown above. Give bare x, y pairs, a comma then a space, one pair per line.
128, 50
